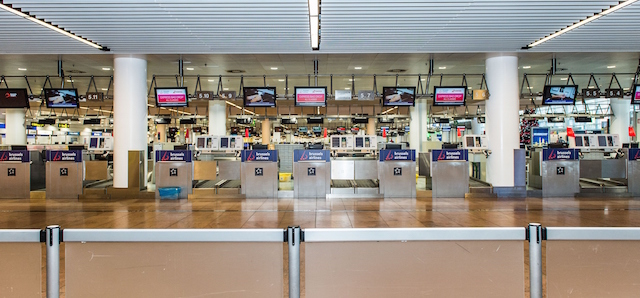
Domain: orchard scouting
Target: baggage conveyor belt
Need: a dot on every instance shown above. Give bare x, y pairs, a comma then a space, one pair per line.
602, 186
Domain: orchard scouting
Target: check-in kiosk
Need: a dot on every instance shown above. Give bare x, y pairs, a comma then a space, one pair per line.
16, 174
217, 165
560, 172
260, 173
633, 171
450, 173
397, 173
64, 174
174, 170
311, 173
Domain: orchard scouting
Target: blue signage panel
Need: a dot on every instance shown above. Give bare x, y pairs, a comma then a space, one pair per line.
539, 135
559, 154
451, 154
68, 155
173, 155
259, 155
397, 155
14, 155
311, 155
634, 154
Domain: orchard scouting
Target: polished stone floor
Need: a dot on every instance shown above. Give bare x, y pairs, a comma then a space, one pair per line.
321, 213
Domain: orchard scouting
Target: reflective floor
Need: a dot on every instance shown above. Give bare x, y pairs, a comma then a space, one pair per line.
320, 213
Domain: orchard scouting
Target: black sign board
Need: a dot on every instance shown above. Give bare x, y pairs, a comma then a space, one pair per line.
173, 172
560, 171
555, 119
11, 172
91, 121
48, 121
590, 93
95, 96
64, 171
162, 120
204, 95
397, 171
615, 93
583, 119
259, 171
311, 171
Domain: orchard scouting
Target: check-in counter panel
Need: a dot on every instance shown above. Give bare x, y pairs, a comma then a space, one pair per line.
397, 173
450, 173
15, 174
633, 171
96, 170
173, 168
560, 171
64, 174
229, 169
366, 169
205, 170
313, 172
342, 169
259, 173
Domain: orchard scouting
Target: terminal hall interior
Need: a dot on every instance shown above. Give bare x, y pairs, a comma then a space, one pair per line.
214, 116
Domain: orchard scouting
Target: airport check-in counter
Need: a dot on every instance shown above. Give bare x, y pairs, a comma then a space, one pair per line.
15, 174
64, 174
597, 161
354, 168
217, 167
450, 173
556, 171
397, 173
173, 168
633, 171
312, 173
260, 173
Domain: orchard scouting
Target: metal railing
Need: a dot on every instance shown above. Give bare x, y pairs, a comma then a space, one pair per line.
595, 238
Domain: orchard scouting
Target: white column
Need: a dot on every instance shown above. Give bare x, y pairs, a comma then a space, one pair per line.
217, 118
418, 124
502, 125
15, 129
129, 113
477, 128
621, 119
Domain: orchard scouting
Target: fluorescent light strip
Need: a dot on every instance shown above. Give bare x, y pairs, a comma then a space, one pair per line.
239, 107
583, 22
52, 27
314, 23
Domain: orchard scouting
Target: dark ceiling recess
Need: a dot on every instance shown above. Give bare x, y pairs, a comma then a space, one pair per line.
236, 71
396, 70
76, 71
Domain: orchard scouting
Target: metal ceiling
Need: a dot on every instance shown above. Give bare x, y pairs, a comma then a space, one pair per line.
347, 26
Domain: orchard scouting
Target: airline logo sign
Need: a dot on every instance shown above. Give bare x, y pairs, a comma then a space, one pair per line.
71, 155
173, 155
634, 154
14, 155
453, 155
397, 155
259, 155
311, 155
559, 154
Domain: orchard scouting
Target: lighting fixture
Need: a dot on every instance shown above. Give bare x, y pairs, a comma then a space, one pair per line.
347, 88
104, 89
563, 79
106, 68
211, 80
189, 68
442, 67
526, 67
274, 68
51, 27
611, 66
280, 80
225, 89
22, 69
358, 67
314, 23
583, 22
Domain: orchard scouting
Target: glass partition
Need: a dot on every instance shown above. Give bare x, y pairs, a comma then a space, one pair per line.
21, 270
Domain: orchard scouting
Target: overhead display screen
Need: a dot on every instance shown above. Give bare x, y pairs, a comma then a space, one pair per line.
171, 97
311, 96
449, 96
13, 98
259, 96
559, 95
398, 96
635, 95
61, 98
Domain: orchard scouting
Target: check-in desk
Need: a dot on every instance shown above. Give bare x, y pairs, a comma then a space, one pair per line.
397, 173
633, 171
64, 174
15, 174
450, 173
311, 173
173, 168
355, 176
259, 173
559, 171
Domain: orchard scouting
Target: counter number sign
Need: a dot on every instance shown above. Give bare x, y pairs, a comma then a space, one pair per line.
204, 95
95, 96
591, 93
614, 93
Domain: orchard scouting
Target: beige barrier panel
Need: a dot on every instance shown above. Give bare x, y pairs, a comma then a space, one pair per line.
174, 270
20, 270
593, 269
415, 269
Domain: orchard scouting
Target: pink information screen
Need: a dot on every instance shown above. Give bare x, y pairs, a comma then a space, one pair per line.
171, 97
449, 96
311, 96
636, 95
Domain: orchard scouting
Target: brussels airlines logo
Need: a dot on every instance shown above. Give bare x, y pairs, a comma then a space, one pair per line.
635, 157
442, 155
252, 155
389, 156
305, 155
4, 156
57, 156
552, 155
165, 156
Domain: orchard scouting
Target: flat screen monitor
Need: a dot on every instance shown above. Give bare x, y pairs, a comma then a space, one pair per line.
180, 147
260, 147
259, 96
171, 97
398, 96
311, 96
359, 142
316, 146
635, 94
449, 96
470, 142
602, 141
393, 146
61, 98
200, 142
579, 142
224, 143
19, 147
449, 146
558, 145
559, 95
14, 98
93, 143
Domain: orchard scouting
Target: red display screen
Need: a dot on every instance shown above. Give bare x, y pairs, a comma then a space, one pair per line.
171, 97
311, 96
449, 96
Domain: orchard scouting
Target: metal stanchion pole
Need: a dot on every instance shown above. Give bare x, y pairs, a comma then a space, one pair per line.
293, 234
535, 260
53, 261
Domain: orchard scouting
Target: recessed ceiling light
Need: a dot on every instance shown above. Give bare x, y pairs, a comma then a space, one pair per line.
358, 67
106, 68
526, 67
423, 80
611, 66
591, 86
70, 81
347, 88
23, 69
529, 87
104, 89
469, 88
563, 79
442, 67
280, 80
189, 68
274, 68
211, 80
225, 89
